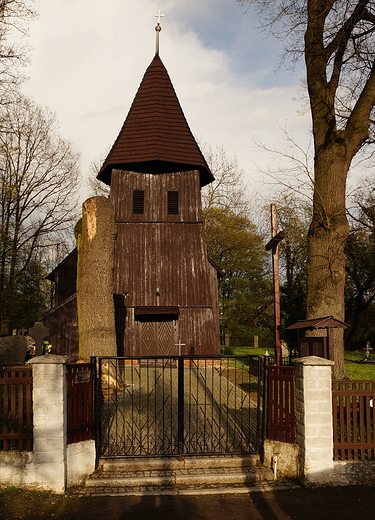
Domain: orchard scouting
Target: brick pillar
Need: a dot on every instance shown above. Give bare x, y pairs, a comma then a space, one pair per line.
50, 421
314, 419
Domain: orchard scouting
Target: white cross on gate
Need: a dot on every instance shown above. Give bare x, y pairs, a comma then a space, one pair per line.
159, 15
179, 345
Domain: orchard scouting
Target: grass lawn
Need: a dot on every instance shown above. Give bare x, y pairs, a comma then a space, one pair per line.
244, 351
355, 369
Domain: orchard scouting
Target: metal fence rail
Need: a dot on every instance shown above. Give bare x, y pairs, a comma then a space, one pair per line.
353, 420
16, 421
181, 405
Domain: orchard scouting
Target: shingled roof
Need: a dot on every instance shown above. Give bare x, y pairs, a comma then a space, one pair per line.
155, 137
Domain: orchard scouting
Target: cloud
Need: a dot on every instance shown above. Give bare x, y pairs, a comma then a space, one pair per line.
89, 59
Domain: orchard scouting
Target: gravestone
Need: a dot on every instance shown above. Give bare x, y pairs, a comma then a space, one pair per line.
38, 332
13, 350
284, 350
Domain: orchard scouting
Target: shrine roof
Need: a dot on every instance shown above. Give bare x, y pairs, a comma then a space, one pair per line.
318, 323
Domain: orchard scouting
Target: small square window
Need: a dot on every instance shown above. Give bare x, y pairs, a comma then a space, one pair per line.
138, 202
172, 202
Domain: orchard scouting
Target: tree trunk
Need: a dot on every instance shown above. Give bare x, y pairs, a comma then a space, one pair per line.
95, 306
328, 233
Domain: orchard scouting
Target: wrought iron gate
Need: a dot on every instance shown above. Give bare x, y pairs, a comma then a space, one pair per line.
184, 405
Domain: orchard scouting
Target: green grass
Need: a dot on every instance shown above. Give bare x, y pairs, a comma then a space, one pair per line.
354, 368
357, 370
244, 351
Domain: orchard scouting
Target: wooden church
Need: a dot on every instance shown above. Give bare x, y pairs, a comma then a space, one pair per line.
164, 285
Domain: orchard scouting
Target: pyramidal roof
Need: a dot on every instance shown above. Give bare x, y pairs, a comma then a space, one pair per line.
155, 137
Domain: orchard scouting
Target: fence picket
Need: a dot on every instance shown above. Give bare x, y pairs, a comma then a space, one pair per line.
353, 419
16, 430
80, 405
281, 423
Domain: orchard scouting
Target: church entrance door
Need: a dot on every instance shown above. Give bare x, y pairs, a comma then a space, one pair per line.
156, 334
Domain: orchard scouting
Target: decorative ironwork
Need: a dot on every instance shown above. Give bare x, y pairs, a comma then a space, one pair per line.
179, 405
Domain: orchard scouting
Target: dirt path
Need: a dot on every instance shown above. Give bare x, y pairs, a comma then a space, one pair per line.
219, 415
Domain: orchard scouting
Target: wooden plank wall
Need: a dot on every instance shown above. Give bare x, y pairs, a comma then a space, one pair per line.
161, 260
63, 329
65, 278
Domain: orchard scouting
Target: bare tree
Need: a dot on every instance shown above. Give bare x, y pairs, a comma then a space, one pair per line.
339, 53
14, 18
96, 187
228, 190
38, 185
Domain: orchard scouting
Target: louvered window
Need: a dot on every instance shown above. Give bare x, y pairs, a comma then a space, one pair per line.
172, 202
138, 202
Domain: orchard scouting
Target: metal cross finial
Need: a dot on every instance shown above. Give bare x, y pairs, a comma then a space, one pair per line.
159, 15
158, 29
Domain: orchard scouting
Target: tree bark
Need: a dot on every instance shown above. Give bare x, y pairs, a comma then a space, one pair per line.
334, 149
95, 306
327, 235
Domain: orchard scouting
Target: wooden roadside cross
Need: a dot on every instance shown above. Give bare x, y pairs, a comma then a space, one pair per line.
272, 246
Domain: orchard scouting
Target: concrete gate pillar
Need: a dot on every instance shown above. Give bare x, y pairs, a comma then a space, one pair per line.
50, 421
313, 393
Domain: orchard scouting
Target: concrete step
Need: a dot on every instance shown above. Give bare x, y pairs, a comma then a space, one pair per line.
173, 463
172, 476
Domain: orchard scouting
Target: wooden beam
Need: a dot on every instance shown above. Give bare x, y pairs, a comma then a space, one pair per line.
275, 240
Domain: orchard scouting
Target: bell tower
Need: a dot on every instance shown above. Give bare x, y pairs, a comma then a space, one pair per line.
165, 288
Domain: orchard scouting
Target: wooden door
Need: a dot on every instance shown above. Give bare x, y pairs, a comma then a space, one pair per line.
157, 334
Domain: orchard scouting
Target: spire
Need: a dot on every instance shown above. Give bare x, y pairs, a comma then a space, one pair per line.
155, 137
158, 29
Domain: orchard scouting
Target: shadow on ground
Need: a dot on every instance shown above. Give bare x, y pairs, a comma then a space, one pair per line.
300, 504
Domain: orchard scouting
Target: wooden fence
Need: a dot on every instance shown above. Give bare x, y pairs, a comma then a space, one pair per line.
280, 416
16, 421
80, 386
353, 420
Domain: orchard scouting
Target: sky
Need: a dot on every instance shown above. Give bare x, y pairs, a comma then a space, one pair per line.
89, 56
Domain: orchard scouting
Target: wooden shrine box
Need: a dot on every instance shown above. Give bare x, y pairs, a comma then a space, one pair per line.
321, 346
